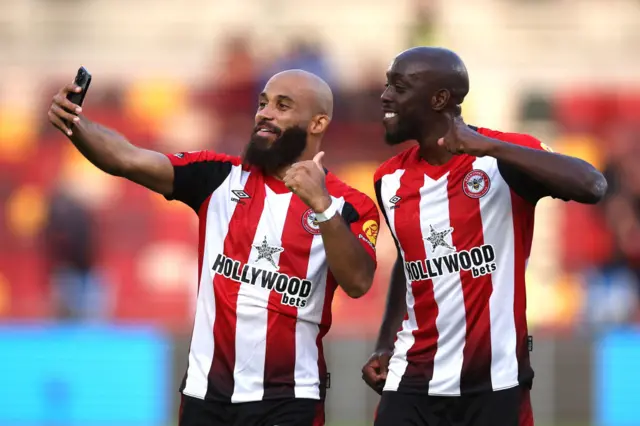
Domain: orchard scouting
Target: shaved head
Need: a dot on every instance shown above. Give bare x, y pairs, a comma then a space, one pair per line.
436, 65
294, 110
308, 88
422, 84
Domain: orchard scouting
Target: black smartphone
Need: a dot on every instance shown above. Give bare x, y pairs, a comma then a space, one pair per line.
83, 79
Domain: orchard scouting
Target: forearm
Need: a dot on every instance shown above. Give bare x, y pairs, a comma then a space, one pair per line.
566, 177
349, 262
395, 309
103, 147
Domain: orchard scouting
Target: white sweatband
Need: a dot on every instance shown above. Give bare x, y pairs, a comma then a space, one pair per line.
329, 212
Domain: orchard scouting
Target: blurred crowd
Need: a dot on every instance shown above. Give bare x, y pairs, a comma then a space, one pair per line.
76, 243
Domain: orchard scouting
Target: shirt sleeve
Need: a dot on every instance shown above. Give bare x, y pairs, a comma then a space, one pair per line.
521, 183
197, 174
361, 214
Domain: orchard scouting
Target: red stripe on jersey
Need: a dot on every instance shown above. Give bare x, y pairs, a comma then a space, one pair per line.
420, 357
237, 246
325, 325
523, 220
464, 213
280, 359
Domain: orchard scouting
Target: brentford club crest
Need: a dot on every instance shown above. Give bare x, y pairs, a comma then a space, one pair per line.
309, 222
476, 184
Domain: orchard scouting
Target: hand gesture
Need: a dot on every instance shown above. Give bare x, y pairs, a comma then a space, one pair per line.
306, 179
375, 370
62, 111
460, 139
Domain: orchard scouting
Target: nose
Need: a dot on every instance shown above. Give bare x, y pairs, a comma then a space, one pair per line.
386, 96
265, 114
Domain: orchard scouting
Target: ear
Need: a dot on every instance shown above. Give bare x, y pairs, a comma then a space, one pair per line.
440, 99
319, 124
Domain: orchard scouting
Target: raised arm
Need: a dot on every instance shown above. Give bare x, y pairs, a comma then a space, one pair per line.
107, 149
350, 255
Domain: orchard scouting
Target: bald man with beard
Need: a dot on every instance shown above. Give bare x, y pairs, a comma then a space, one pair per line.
278, 235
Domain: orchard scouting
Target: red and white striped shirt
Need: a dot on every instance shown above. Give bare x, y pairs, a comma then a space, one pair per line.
265, 289
464, 231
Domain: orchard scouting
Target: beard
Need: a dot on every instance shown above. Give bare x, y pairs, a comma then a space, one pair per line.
270, 157
402, 133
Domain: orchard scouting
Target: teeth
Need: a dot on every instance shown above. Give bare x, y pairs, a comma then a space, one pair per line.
389, 114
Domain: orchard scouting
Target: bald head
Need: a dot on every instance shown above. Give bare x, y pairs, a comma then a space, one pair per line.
434, 65
306, 89
424, 86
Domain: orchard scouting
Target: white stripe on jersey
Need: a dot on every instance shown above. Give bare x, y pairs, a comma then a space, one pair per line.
253, 300
447, 292
405, 339
306, 374
202, 348
496, 207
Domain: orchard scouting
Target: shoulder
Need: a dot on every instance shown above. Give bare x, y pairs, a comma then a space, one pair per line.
399, 161
521, 139
205, 156
354, 199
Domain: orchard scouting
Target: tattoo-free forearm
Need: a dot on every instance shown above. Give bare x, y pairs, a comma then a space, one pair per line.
348, 260
395, 309
114, 154
566, 177
103, 147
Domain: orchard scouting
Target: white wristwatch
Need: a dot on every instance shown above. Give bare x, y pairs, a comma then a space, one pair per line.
328, 213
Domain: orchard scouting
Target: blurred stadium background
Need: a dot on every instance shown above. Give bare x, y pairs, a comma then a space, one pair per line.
97, 276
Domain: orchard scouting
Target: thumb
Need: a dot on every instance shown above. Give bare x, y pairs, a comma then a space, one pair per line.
318, 160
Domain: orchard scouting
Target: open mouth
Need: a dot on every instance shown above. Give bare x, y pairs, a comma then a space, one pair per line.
266, 131
388, 115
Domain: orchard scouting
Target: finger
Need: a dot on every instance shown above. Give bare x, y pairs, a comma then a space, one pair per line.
57, 122
64, 115
318, 159
72, 88
61, 100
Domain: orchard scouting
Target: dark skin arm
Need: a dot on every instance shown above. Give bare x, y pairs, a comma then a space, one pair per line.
348, 260
107, 149
559, 176
374, 372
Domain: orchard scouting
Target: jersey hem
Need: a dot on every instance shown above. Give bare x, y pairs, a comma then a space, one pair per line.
241, 401
411, 391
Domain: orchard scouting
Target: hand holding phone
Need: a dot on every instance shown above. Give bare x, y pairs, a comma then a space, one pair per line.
66, 104
82, 80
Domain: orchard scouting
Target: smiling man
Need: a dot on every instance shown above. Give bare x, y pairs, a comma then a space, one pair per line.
278, 234
460, 204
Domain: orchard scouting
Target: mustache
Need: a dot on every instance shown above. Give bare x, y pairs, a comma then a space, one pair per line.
269, 126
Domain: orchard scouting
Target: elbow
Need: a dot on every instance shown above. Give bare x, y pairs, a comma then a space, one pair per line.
360, 286
595, 188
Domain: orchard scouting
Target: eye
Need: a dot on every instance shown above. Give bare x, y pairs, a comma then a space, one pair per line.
262, 104
283, 106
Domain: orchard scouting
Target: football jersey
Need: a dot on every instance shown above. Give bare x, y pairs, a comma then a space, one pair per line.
464, 231
265, 288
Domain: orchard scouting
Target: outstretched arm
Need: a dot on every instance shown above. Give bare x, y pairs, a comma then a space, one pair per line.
107, 149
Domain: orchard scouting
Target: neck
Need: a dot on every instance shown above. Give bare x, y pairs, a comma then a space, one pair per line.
430, 151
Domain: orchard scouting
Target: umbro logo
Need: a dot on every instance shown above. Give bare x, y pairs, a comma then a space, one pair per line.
394, 201
239, 195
